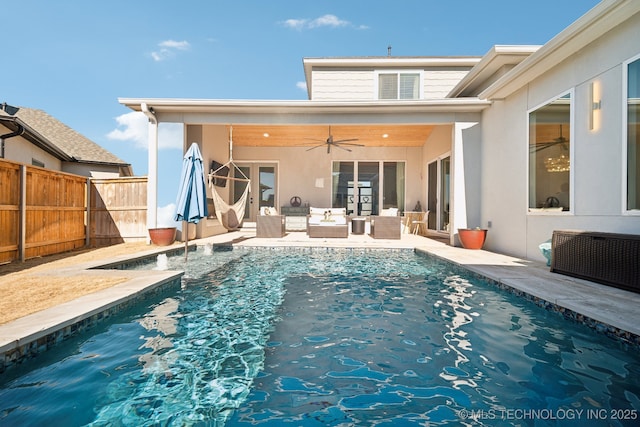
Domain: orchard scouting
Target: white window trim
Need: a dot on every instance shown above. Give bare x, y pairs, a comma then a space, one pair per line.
572, 144
398, 72
625, 127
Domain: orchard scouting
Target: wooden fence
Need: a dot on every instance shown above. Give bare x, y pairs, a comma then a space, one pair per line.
44, 212
118, 210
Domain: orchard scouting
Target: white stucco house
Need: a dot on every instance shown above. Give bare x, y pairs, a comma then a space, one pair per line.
521, 141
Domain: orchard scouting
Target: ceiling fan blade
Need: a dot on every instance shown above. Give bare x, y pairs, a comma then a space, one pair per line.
340, 147
344, 140
350, 144
315, 146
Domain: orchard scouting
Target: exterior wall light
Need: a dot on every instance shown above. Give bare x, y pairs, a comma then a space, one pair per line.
596, 106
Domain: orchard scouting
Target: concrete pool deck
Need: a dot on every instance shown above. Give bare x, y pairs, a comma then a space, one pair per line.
609, 307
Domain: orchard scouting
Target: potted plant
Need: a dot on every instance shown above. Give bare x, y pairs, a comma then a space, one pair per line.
472, 238
162, 236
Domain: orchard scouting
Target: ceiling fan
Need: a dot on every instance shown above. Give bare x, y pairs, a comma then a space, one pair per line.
561, 140
339, 143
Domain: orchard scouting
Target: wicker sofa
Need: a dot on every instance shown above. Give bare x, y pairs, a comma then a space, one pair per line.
330, 222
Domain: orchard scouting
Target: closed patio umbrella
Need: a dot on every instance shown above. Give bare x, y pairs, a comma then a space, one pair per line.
192, 194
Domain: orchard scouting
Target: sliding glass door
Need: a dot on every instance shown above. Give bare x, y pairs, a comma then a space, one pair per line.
363, 188
438, 193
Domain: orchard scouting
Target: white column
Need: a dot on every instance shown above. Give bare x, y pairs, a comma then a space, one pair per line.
152, 176
458, 201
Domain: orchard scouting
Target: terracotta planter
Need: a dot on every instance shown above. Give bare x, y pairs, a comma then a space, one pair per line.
162, 236
472, 238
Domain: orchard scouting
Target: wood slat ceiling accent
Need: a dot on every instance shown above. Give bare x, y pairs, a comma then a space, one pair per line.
308, 135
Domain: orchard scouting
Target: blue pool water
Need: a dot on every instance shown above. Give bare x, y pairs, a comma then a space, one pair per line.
329, 338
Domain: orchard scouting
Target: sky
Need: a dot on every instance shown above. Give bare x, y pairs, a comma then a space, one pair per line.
75, 58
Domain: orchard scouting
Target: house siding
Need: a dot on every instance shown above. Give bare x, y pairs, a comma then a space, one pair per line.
20, 150
360, 85
338, 85
438, 83
597, 162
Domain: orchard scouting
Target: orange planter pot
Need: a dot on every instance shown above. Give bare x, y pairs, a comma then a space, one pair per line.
472, 238
162, 236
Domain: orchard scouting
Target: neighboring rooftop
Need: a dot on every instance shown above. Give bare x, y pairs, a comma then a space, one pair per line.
55, 137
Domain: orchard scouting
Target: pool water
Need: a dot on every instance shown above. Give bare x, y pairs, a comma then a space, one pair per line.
329, 338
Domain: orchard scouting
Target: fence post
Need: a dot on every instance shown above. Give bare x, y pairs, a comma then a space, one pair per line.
22, 230
87, 241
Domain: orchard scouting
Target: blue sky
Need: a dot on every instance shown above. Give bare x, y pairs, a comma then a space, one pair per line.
75, 58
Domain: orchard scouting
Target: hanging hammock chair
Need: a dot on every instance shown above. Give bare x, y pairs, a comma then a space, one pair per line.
229, 215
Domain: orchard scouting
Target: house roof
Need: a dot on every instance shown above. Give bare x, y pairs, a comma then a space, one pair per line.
603, 17
55, 137
494, 64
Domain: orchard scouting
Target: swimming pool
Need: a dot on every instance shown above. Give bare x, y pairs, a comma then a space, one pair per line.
328, 338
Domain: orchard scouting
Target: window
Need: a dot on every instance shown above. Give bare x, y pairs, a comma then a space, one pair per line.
550, 156
399, 85
633, 134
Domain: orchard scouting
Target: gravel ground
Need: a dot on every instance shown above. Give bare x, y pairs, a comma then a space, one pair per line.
36, 284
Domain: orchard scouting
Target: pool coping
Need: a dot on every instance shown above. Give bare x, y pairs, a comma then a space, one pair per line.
24, 338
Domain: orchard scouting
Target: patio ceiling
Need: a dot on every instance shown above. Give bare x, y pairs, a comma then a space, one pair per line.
306, 135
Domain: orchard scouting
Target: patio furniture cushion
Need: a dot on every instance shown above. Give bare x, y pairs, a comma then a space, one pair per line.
389, 212
328, 216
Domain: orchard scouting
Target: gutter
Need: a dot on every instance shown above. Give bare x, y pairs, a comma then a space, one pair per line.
15, 133
149, 112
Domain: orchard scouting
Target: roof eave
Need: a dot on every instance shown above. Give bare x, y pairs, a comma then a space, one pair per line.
497, 57
38, 140
303, 107
592, 25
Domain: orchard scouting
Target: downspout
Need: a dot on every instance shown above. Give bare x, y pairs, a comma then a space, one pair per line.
152, 175
18, 132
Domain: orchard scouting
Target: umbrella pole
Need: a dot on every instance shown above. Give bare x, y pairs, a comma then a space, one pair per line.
185, 226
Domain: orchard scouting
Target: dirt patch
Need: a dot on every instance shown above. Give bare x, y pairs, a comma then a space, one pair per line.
33, 286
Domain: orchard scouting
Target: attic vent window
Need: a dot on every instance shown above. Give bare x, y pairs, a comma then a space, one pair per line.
398, 85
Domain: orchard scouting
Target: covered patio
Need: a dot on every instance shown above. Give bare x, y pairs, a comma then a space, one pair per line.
430, 147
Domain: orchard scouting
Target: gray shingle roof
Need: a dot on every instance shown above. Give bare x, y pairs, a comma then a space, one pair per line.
66, 139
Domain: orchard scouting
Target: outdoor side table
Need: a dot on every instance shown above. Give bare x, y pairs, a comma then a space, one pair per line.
357, 225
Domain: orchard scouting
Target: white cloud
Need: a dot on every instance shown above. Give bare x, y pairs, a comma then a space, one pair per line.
172, 44
302, 86
296, 24
134, 127
166, 215
168, 49
328, 20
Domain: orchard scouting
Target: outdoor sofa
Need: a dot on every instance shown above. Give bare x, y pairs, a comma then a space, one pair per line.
329, 222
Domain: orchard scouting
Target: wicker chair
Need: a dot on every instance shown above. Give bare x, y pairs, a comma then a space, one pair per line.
270, 226
385, 227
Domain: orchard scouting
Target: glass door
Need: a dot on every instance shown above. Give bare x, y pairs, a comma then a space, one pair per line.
364, 188
368, 188
263, 192
445, 193
438, 193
